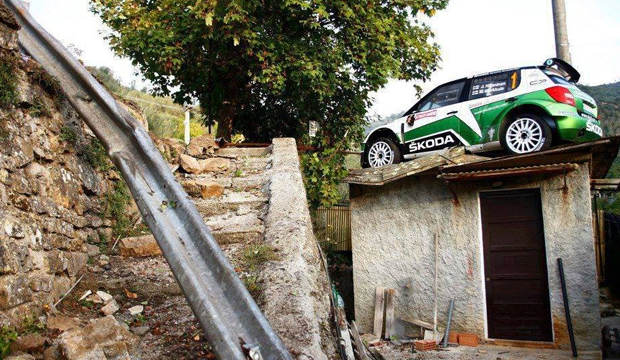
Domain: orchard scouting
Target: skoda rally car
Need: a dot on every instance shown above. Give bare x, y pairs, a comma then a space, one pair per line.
518, 110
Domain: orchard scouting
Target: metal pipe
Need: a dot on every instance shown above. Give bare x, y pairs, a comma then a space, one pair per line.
569, 322
445, 337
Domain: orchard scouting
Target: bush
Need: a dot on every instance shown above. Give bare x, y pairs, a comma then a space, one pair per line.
323, 172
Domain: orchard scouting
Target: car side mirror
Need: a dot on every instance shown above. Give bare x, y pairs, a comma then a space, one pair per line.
410, 119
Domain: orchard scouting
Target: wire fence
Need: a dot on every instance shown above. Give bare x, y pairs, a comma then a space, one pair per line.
334, 226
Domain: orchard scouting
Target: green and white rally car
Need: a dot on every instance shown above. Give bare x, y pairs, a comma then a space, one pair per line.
518, 110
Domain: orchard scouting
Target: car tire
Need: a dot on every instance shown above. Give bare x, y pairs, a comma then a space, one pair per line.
526, 133
381, 152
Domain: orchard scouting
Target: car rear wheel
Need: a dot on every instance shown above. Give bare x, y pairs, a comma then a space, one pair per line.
382, 152
526, 133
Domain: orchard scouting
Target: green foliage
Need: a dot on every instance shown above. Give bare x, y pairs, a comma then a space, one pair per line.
7, 336
608, 100
8, 81
116, 203
323, 172
67, 134
96, 155
31, 325
268, 67
39, 108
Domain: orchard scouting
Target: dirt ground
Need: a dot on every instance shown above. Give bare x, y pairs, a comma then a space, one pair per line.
483, 352
167, 328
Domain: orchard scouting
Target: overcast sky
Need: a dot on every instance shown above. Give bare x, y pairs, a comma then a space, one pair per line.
475, 36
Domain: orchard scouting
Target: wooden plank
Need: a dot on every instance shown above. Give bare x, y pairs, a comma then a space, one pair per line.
359, 345
375, 352
420, 323
389, 312
379, 303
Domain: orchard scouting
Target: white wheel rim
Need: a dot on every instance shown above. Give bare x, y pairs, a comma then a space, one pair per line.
380, 154
524, 136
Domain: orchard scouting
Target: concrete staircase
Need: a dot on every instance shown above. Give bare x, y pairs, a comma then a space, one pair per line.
236, 218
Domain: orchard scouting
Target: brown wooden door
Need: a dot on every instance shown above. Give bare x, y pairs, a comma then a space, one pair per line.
517, 289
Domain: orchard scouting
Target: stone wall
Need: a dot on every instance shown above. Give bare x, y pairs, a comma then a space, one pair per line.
50, 195
393, 229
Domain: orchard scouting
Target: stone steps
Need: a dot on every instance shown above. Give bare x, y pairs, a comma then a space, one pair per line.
235, 229
243, 152
231, 202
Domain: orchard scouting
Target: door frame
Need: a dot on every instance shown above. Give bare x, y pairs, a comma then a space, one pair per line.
483, 270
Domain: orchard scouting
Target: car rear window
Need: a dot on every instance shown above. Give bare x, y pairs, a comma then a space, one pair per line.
559, 80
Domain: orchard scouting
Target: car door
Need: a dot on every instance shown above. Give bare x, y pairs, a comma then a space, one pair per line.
489, 96
434, 125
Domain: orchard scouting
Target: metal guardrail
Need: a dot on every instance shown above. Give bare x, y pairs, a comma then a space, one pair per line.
233, 323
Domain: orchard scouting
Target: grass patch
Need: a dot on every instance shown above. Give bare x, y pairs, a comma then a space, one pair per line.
67, 134
238, 173
96, 155
8, 81
253, 257
257, 254
116, 202
39, 108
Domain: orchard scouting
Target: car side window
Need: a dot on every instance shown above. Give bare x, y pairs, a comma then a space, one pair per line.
443, 96
495, 84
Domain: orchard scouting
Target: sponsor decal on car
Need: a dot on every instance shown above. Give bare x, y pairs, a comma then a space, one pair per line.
593, 128
538, 82
434, 142
427, 114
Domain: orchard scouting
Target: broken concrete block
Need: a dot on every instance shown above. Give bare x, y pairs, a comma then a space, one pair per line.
203, 188
105, 297
62, 323
214, 165
136, 310
140, 246
190, 164
29, 343
111, 308
103, 338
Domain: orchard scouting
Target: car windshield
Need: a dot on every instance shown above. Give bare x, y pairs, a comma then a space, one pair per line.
444, 96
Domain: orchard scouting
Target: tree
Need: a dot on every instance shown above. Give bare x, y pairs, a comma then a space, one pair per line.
268, 67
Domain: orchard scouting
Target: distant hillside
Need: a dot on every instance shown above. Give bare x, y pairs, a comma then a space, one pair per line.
165, 118
608, 99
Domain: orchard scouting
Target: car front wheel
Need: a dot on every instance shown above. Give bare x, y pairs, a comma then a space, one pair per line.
382, 152
525, 134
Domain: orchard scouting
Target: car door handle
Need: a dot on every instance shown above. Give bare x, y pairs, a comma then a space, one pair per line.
511, 100
452, 112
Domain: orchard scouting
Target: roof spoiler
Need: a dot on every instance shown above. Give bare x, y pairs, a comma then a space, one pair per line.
570, 73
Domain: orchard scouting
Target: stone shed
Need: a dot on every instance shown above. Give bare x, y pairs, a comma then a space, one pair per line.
493, 229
